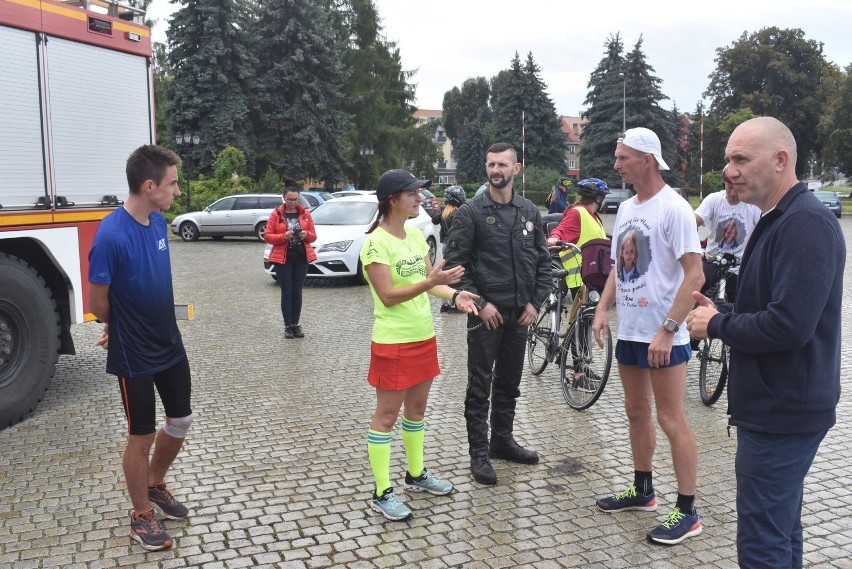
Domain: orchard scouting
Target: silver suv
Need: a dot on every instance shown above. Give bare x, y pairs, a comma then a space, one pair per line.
237, 215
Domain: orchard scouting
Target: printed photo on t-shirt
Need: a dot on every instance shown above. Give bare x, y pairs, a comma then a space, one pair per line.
730, 235
634, 255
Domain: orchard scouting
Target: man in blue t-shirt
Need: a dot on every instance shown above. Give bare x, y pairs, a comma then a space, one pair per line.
130, 290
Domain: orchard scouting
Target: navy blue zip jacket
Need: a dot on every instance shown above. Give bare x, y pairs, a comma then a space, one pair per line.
784, 332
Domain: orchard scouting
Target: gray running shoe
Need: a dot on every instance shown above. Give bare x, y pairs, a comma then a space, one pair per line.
160, 496
145, 529
427, 483
388, 506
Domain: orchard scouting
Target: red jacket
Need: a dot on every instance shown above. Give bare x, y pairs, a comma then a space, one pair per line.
276, 227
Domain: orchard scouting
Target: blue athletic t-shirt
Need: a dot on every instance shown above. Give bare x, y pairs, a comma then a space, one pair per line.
133, 259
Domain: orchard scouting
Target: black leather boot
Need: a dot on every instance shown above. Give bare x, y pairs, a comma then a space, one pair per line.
512, 451
482, 470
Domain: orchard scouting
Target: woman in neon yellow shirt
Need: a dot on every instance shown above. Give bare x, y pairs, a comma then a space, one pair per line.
404, 353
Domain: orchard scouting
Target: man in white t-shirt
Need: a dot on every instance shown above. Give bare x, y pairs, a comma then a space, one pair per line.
655, 242
730, 222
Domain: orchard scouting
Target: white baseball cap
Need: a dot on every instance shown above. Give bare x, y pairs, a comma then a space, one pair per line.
644, 140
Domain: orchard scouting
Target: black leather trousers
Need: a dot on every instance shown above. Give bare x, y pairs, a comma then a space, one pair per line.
495, 363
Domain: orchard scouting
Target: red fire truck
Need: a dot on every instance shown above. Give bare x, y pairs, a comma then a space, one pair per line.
75, 101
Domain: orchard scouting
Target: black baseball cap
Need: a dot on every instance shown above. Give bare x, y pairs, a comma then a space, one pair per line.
394, 181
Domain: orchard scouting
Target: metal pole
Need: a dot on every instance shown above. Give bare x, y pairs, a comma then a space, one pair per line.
523, 154
701, 160
623, 110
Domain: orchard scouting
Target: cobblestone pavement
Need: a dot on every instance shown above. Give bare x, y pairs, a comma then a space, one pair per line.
276, 473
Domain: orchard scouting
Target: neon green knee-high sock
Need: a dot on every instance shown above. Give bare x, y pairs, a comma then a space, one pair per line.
379, 451
413, 434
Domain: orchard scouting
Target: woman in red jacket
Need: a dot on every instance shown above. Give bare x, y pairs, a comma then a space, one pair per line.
290, 230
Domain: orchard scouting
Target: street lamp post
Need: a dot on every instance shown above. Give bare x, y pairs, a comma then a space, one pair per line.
623, 109
187, 139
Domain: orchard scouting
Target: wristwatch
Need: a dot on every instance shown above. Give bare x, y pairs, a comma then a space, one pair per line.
670, 325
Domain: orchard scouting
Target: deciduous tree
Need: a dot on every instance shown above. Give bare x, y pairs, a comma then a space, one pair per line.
774, 72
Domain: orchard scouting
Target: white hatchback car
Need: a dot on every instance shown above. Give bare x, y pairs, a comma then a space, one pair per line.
341, 226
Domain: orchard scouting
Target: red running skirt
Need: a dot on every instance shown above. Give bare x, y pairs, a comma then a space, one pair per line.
400, 366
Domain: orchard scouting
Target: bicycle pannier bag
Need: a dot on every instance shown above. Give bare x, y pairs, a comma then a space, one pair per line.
597, 263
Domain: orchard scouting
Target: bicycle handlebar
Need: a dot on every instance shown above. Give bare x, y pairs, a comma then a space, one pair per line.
561, 245
725, 260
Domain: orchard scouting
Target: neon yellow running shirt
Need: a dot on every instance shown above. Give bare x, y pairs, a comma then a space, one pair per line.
409, 321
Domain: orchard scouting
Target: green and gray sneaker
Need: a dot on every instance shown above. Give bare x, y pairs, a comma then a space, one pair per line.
388, 506
426, 482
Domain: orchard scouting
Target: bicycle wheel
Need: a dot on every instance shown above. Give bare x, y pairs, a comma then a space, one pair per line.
713, 373
583, 365
539, 337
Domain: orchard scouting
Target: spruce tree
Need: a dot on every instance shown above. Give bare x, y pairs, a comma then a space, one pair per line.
544, 140
643, 106
212, 72
467, 116
508, 104
524, 115
300, 119
380, 99
618, 84
604, 114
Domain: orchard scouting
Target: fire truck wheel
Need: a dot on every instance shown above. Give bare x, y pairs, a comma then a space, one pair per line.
188, 231
29, 339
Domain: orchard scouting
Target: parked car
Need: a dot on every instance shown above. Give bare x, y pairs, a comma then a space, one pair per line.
350, 193
316, 197
831, 201
430, 202
341, 226
614, 199
237, 215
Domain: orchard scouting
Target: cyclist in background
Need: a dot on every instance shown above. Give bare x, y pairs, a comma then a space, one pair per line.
722, 212
579, 224
454, 197
558, 201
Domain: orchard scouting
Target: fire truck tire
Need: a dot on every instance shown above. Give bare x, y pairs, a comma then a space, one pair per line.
29, 339
188, 231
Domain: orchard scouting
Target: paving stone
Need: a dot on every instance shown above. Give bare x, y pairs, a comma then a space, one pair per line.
275, 468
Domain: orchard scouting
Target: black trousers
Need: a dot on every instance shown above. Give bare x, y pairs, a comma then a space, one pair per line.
495, 363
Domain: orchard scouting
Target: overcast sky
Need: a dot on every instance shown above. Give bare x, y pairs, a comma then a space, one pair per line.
448, 41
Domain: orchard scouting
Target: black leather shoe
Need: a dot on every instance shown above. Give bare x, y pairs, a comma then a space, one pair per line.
288, 332
482, 470
297, 331
513, 452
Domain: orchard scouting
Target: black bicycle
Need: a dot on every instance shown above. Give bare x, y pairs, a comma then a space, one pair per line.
545, 335
584, 366
713, 354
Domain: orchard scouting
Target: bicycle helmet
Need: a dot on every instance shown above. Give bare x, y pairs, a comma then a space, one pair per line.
565, 181
592, 187
454, 195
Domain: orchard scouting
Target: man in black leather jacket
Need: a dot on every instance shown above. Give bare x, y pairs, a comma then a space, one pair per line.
497, 237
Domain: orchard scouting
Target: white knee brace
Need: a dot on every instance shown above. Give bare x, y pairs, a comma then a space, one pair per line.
178, 428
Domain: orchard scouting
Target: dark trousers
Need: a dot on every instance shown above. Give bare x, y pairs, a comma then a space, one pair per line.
771, 473
291, 278
495, 362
